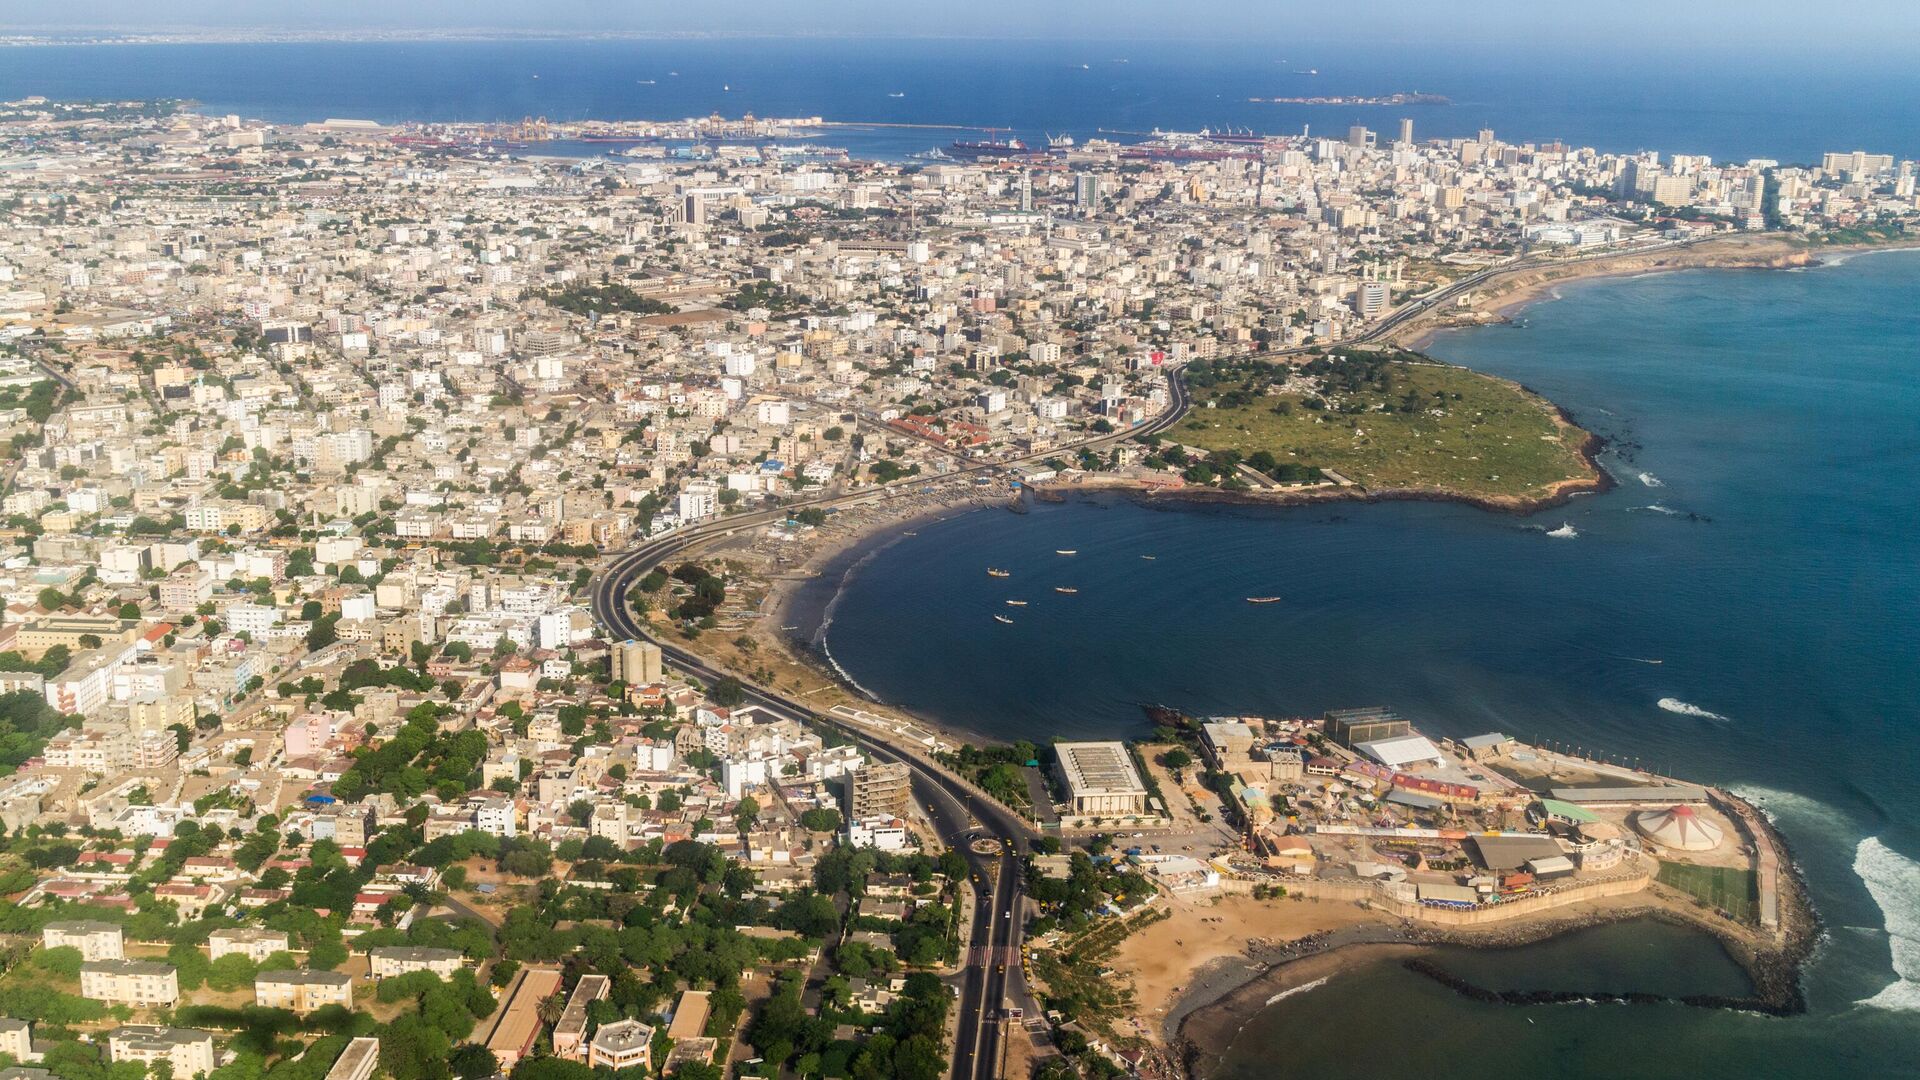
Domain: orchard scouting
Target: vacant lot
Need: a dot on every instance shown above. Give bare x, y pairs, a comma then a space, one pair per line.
1412, 425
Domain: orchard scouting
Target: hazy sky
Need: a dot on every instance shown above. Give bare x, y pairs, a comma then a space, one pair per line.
1716, 24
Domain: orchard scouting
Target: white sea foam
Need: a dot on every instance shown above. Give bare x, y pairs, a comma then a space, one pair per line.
1651, 480
1301, 989
1656, 508
1894, 881
1675, 705
1797, 810
1566, 531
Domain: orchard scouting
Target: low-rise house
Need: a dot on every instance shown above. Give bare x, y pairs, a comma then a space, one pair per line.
96, 940
302, 991
130, 982
187, 1050
254, 944
623, 1044
388, 961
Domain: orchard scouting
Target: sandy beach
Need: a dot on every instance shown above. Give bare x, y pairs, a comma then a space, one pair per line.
1208, 947
1504, 295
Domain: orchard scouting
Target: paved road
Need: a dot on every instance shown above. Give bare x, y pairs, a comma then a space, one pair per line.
959, 813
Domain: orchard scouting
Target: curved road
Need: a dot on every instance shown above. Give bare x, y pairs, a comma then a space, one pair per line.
959, 812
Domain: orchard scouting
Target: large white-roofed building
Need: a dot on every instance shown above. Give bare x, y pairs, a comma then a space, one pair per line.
1101, 779
1402, 751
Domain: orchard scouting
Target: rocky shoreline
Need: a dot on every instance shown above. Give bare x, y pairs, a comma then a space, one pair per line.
1220, 1002
1214, 1010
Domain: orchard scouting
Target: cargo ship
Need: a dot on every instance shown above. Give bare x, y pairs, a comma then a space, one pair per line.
985, 148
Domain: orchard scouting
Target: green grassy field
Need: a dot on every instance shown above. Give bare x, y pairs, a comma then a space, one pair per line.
1730, 889
1390, 424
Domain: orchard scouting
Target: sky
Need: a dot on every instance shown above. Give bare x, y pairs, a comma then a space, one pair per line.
1873, 25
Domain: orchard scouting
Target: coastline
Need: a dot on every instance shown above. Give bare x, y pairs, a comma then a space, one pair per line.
867, 527
1218, 993
1201, 1022
1504, 295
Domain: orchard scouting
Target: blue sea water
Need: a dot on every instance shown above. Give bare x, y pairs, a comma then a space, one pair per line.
1675, 97
1763, 545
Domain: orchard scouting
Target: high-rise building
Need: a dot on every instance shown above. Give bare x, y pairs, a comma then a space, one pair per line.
636, 663
1086, 192
879, 789
1360, 137
1026, 191
1859, 161
1406, 131
694, 210
1370, 299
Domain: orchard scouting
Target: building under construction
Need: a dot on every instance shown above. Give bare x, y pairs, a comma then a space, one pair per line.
879, 789
1350, 727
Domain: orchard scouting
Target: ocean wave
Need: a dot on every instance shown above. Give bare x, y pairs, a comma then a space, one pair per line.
1796, 809
1651, 480
1675, 705
1894, 882
827, 653
1656, 508
1566, 531
1301, 989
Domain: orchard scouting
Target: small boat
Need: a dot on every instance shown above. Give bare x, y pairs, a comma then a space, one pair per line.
1004, 619
1067, 589
994, 571
1263, 599
1149, 558
896, 94
1016, 603
1066, 551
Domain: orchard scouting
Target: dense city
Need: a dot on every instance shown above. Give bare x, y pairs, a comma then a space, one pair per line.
334, 747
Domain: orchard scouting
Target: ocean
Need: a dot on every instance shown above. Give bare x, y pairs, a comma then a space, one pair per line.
1677, 98
1762, 545
1743, 609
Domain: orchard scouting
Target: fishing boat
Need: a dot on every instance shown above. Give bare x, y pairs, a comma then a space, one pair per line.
1068, 589
1149, 558
1066, 551
1004, 619
994, 571
1263, 599
1016, 603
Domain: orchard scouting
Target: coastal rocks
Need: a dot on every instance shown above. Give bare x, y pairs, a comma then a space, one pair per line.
1460, 986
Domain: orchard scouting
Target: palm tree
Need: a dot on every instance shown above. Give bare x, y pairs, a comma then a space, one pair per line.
550, 1008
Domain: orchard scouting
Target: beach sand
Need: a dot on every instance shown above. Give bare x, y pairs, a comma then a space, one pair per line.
1501, 297
1218, 944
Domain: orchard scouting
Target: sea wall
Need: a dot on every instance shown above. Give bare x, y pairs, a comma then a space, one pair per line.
1370, 894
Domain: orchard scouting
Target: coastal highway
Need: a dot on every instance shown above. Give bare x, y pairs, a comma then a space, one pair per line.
1398, 317
989, 836
962, 818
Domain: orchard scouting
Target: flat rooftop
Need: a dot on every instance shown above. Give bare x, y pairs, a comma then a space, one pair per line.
1099, 768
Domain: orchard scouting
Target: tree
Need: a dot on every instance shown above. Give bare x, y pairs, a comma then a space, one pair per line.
551, 1007
727, 692
1176, 759
746, 813
472, 1060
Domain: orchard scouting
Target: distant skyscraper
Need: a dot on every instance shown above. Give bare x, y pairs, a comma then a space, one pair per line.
1406, 131
695, 210
1026, 191
1359, 137
1486, 137
1086, 192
